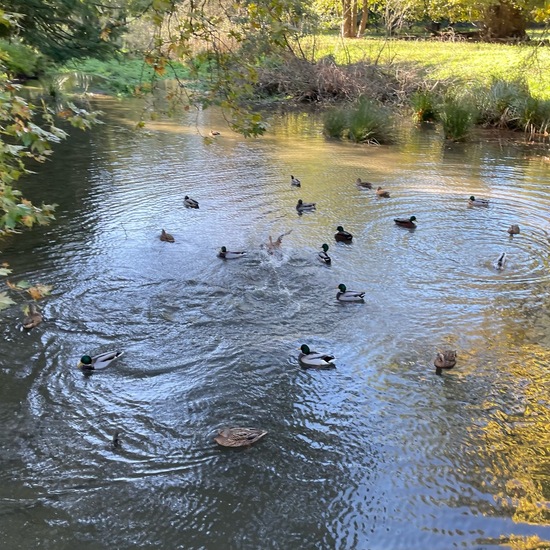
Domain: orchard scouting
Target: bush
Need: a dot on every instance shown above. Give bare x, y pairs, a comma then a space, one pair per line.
335, 122
424, 105
458, 119
20, 60
370, 123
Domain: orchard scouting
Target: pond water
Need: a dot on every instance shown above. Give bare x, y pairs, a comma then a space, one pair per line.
379, 453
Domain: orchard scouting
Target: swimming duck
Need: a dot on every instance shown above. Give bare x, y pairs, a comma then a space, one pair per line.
343, 236
273, 245
313, 359
382, 192
345, 295
190, 203
226, 255
363, 184
295, 181
445, 360
98, 362
406, 222
33, 319
239, 437
501, 261
323, 256
166, 237
513, 230
472, 201
305, 206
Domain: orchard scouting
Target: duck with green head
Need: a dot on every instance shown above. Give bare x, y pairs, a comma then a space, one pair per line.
315, 360
323, 256
98, 362
343, 236
472, 201
345, 295
406, 222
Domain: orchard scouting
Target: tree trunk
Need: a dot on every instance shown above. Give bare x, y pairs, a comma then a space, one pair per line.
347, 26
504, 20
364, 19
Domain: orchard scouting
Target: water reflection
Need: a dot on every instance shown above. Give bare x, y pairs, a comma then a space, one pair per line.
379, 453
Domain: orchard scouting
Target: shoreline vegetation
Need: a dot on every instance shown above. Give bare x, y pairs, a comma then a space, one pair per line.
363, 85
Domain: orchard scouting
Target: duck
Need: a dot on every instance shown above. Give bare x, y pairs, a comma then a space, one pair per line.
305, 206
98, 362
323, 256
227, 255
345, 295
166, 237
239, 437
445, 360
273, 245
363, 184
405, 222
215, 133
472, 201
115, 440
314, 359
501, 261
190, 203
513, 230
295, 181
343, 236
382, 192
33, 319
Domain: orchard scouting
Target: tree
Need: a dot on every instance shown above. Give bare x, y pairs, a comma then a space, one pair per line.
66, 29
27, 132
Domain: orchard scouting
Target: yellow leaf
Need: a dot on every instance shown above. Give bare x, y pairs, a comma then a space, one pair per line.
39, 291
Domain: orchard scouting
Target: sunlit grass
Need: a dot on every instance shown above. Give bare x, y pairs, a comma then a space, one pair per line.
468, 62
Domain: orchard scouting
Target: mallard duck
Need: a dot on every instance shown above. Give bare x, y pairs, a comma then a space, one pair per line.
363, 184
501, 261
227, 255
472, 201
323, 256
315, 360
345, 295
406, 222
239, 437
343, 236
166, 237
190, 203
513, 230
382, 192
445, 360
295, 181
273, 245
33, 319
305, 206
98, 362
115, 441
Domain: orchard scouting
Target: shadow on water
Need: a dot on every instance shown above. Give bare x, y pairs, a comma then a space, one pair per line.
378, 453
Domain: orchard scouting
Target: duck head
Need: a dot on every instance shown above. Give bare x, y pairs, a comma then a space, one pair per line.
85, 361
325, 247
339, 228
342, 288
305, 349
223, 249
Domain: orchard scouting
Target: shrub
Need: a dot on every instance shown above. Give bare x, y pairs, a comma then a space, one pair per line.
458, 119
335, 122
424, 105
20, 60
370, 123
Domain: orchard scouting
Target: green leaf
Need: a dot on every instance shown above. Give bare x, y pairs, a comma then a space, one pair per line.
4, 271
5, 301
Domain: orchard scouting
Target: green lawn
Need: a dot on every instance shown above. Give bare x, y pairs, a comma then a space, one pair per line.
475, 62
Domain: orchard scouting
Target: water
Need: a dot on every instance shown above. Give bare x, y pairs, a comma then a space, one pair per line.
379, 453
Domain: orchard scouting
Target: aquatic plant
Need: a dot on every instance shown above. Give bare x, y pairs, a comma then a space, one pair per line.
458, 118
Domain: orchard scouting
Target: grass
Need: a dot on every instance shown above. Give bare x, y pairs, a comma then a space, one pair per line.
467, 62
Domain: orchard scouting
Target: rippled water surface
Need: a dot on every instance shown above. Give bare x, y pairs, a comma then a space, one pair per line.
379, 453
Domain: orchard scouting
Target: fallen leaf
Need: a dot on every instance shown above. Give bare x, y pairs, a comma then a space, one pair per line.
5, 300
39, 291
4, 271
